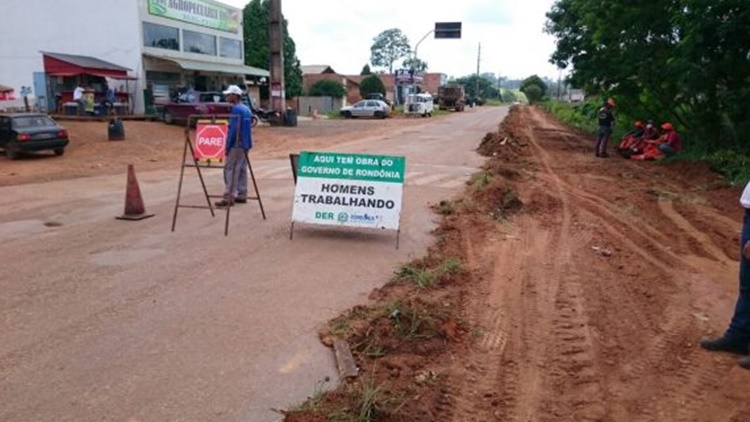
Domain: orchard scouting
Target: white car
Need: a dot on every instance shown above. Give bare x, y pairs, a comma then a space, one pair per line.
366, 108
419, 105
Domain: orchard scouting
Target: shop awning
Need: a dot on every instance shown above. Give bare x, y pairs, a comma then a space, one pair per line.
57, 64
201, 66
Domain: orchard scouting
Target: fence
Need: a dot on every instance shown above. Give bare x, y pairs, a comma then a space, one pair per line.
306, 105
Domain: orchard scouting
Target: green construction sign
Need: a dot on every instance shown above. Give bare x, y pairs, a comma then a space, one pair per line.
356, 190
198, 12
331, 165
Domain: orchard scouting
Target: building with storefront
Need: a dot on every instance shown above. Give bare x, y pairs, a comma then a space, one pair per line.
142, 49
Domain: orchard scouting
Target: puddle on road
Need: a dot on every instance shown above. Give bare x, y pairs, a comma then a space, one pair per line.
115, 258
21, 227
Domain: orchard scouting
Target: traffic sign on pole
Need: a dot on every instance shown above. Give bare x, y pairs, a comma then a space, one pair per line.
447, 29
210, 141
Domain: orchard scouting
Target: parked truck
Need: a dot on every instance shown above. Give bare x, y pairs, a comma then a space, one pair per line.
451, 97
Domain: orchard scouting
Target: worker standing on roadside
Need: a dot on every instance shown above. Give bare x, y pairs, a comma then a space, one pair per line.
239, 142
737, 337
606, 122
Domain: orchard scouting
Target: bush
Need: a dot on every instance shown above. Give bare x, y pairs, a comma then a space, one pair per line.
371, 85
326, 88
734, 166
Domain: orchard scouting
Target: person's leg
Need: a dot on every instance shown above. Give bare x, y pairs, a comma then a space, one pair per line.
230, 164
666, 149
737, 337
605, 144
602, 145
599, 140
241, 195
739, 328
233, 177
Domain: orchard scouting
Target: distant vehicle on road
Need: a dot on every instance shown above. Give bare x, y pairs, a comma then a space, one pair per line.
31, 132
367, 108
451, 97
419, 105
187, 104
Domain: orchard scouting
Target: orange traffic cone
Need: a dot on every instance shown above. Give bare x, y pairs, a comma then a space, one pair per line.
134, 209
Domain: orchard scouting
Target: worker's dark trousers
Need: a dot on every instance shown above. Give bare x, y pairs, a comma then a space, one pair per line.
602, 139
739, 328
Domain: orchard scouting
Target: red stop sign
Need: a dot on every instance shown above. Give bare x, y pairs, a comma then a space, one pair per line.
210, 141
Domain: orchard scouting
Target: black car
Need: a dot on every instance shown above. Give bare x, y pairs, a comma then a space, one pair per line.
31, 132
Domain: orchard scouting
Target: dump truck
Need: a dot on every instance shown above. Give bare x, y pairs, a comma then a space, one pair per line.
451, 97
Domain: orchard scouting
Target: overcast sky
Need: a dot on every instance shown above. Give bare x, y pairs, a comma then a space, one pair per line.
339, 33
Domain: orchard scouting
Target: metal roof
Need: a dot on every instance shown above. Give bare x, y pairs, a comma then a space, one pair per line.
235, 69
316, 69
85, 61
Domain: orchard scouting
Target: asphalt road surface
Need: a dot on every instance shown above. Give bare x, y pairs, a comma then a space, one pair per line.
113, 320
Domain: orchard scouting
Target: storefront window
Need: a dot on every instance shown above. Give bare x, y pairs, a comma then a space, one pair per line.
195, 42
230, 48
161, 36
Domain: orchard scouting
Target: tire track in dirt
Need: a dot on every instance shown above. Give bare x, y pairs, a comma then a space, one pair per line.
667, 208
577, 390
574, 336
684, 377
494, 369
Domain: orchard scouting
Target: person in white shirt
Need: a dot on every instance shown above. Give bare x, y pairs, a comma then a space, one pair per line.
737, 337
78, 98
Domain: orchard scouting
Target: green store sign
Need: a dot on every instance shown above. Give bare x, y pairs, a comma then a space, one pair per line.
198, 12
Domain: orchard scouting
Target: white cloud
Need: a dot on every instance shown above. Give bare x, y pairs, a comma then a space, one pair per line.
339, 33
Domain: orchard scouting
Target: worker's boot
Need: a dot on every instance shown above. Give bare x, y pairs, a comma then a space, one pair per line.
723, 344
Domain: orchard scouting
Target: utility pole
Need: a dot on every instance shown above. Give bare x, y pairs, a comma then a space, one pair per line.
559, 82
276, 41
476, 82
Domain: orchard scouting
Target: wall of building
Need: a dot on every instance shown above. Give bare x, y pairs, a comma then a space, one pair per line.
308, 106
110, 30
106, 29
145, 16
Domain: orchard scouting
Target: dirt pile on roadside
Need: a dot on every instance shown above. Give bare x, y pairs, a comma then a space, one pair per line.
407, 339
508, 142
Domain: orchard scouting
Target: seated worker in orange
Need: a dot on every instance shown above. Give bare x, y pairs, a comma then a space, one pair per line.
650, 134
669, 143
630, 139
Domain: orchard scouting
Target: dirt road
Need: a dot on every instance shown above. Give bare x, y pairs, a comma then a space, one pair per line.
126, 321
578, 334
582, 302
586, 304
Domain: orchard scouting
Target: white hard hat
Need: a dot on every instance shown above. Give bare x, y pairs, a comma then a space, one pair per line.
233, 89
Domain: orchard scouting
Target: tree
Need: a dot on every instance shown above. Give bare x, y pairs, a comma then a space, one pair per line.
507, 96
412, 62
366, 70
389, 46
255, 17
534, 80
327, 88
692, 62
534, 93
478, 86
371, 85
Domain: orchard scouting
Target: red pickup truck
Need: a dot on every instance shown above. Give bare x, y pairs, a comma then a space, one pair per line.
195, 103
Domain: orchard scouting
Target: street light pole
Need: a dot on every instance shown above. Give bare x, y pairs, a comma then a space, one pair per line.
414, 59
420, 42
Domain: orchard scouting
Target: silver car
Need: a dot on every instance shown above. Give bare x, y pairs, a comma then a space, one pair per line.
367, 108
